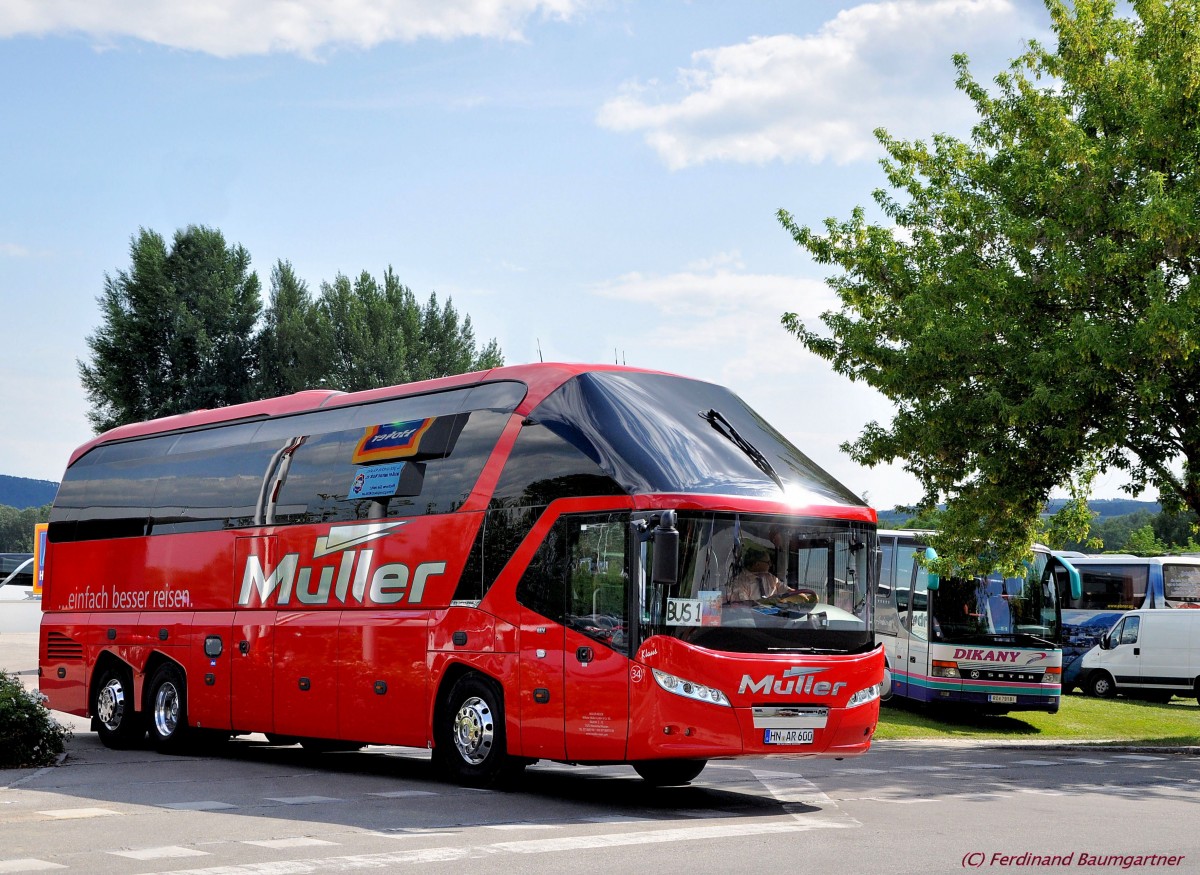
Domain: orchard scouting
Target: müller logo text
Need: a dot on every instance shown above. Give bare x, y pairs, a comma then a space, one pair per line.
354, 577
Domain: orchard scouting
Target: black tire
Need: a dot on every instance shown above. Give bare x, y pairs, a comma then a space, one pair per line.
470, 741
119, 726
166, 707
1100, 685
669, 773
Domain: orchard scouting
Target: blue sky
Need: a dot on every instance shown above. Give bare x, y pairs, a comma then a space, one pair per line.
592, 177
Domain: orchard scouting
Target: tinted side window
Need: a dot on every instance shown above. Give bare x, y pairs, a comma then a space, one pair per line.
1181, 585
108, 493
208, 480
542, 587
550, 461
502, 532
1115, 587
405, 457
598, 591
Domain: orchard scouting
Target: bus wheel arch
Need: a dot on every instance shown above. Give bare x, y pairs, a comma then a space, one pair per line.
470, 737
1100, 684
112, 703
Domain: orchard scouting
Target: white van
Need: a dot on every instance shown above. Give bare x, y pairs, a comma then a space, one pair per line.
1153, 654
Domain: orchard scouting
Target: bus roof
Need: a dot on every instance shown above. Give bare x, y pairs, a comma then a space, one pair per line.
540, 378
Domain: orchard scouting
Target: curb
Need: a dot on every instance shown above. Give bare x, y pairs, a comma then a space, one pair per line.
1113, 746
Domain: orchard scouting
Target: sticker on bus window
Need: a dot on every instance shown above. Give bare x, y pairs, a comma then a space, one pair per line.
392, 440
710, 607
702, 611
377, 481
684, 612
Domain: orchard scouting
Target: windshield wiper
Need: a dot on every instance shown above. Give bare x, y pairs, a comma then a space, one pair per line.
721, 424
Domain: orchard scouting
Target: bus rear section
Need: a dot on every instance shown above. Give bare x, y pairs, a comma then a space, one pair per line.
580, 564
988, 643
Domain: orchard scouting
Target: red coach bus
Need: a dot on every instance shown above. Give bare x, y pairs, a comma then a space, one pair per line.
534, 562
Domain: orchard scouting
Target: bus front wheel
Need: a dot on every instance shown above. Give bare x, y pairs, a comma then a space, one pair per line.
117, 723
168, 709
470, 739
669, 773
1100, 685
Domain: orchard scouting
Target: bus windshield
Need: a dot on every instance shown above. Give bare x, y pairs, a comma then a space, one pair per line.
765, 583
971, 608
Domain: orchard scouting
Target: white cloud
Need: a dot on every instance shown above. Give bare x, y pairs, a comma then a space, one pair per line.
13, 250
818, 97
717, 314
252, 27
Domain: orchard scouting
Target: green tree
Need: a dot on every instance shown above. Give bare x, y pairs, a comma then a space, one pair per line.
1143, 542
381, 336
295, 338
178, 330
1029, 303
16, 527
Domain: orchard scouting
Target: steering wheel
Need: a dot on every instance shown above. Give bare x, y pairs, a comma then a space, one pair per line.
800, 597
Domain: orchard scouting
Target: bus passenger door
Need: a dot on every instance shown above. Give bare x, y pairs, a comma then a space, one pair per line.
917, 663
595, 652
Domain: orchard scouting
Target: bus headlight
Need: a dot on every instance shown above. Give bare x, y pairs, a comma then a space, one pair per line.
690, 689
870, 694
944, 669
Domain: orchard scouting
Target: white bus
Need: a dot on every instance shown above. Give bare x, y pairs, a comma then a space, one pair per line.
990, 643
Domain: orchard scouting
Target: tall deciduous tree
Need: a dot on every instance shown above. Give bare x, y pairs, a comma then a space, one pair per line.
294, 343
380, 335
178, 330
1031, 304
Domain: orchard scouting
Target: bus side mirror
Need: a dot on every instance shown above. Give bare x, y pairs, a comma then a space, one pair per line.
1076, 582
934, 580
665, 568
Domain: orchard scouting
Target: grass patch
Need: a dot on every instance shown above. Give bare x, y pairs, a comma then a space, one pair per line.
1081, 719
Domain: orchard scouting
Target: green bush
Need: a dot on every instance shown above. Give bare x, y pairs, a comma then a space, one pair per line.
29, 736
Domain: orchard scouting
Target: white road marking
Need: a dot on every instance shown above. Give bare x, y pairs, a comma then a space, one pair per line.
169, 852
1038, 762
298, 842
517, 826
404, 794
79, 813
28, 864
564, 844
302, 800
207, 805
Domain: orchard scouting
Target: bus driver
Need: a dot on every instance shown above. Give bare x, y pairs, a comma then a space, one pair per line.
756, 580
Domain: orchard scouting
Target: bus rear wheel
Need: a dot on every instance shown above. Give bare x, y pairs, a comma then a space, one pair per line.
470, 739
669, 773
119, 726
1100, 685
167, 702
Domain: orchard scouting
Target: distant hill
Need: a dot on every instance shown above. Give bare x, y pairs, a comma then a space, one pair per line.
1102, 508
21, 492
